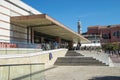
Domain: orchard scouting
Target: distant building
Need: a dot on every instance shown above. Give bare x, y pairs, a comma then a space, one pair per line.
103, 34
94, 38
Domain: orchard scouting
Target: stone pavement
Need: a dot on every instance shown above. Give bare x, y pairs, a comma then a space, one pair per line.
83, 73
115, 59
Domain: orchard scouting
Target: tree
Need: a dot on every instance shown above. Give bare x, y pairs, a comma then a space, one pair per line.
114, 47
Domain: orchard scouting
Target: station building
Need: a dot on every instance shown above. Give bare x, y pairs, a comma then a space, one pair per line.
21, 24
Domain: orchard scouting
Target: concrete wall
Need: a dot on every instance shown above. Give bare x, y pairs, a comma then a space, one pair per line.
22, 72
28, 66
104, 58
101, 56
4, 51
38, 57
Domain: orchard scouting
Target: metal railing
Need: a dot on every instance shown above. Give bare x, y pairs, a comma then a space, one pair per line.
15, 47
16, 44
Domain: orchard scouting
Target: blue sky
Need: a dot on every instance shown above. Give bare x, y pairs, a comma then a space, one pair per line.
90, 12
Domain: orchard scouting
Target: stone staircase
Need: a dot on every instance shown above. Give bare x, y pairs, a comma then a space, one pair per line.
73, 53
76, 59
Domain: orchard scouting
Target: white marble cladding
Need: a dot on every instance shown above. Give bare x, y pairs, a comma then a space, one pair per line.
4, 10
17, 9
4, 3
4, 18
4, 25
25, 6
14, 14
4, 39
4, 32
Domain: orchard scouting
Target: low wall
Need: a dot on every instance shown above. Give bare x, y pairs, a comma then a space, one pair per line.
104, 58
22, 72
101, 56
45, 57
4, 51
38, 57
24, 66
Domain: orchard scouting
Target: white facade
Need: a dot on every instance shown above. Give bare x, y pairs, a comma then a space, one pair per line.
8, 31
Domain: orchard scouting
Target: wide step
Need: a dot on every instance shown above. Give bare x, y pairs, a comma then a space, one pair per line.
79, 61
73, 53
76, 59
79, 64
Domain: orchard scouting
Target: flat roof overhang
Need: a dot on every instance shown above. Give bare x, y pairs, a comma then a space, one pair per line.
47, 25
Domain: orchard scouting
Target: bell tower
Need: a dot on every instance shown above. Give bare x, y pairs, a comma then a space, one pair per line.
79, 27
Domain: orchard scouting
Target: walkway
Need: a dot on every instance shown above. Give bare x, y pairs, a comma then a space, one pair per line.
83, 73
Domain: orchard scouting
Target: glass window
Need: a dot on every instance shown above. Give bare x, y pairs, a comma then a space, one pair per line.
118, 34
106, 36
114, 33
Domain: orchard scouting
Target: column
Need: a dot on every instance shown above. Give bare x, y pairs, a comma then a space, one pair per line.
28, 35
70, 45
42, 39
32, 35
58, 39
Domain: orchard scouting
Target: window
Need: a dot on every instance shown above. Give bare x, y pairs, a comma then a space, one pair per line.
116, 34
98, 41
106, 36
